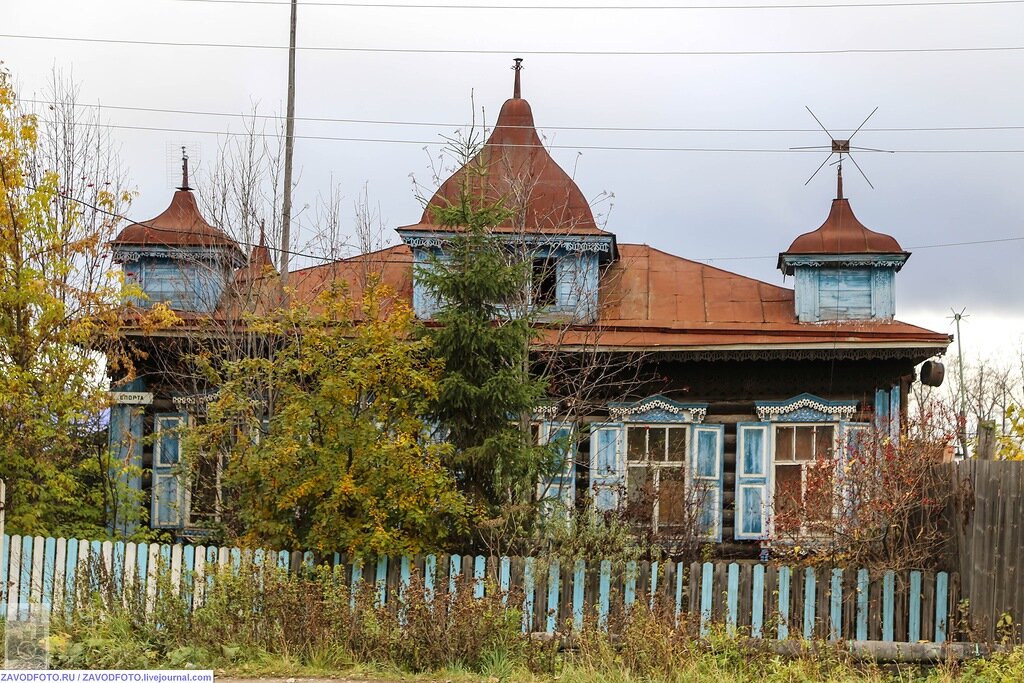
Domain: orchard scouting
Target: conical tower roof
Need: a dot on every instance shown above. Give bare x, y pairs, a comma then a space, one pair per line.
180, 225
514, 167
841, 234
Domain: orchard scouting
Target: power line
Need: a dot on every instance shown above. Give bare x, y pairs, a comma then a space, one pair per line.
837, 5
439, 124
582, 53
998, 240
623, 148
326, 259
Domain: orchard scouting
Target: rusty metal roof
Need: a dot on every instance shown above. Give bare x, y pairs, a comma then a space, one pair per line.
650, 299
514, 167
842, 233
180, 225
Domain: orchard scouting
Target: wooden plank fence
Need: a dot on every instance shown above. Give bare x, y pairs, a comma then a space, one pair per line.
989, 521
40, 575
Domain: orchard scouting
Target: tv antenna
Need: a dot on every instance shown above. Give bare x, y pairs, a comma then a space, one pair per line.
839, 148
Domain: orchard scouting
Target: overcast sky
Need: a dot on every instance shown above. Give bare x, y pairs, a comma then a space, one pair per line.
738, 207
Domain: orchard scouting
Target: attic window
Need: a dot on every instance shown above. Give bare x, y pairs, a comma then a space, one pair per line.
545, 282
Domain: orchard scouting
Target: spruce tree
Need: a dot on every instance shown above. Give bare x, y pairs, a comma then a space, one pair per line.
483, 332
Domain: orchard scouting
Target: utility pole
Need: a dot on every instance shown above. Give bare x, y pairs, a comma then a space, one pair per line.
289, 149
957, 317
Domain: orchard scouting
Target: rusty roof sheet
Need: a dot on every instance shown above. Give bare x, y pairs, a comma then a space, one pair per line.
392, 265
842, 233
514, 167
654, 300
180, 225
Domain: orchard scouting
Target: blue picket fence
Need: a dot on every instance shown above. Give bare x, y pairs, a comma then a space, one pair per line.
39, 575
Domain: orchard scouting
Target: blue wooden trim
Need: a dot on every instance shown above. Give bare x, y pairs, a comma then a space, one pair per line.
141, 562
70, 566
835, 631
914, 622
888, 605
49, 565
732, 599
429, 576
188, 566
357, 582
579, 577
894, 411
653, 583
405, 573
454, 573
863, 592
381, 579
213, 566
96, 564
554, 592
479, 574
505, 578
706, 593
757, 602
754, 480
638, 412
25, 584
810, 594
117, 565
789, 404
528, 597
784, 582
882, 410
629, 595
941, 605
4, 559
680, 569
604, 589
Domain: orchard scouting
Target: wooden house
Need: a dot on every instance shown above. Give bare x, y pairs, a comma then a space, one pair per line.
736, 384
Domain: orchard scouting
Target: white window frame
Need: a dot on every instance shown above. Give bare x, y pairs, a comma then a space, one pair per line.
835, 426
655, 467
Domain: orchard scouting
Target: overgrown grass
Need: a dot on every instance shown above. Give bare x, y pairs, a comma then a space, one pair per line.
266, 623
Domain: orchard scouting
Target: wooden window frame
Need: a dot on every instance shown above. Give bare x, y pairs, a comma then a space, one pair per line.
654, 466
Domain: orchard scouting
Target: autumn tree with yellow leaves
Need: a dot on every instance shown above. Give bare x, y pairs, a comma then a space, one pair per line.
60, 305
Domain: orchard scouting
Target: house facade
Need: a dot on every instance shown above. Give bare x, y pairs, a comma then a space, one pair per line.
679, 377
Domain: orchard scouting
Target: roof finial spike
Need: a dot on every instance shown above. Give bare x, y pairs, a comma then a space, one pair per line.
263, 235
839, 178
517, 88
184, 169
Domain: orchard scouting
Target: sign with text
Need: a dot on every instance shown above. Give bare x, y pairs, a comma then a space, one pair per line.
132, 398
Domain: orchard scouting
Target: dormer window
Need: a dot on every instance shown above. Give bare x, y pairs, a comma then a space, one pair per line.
544, 282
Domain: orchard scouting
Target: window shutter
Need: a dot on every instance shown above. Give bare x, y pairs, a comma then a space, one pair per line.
606, 464
562, 484
168, 491
706, 473
853, 437
753, 474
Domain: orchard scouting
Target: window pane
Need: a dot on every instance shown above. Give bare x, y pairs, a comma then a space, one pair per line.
639, 495
784, 443
818, 497
754, 451
636, 443
804, 443
788, 497
656, 443
707, 455
752, 507
677, 444
671, 499
824, 442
